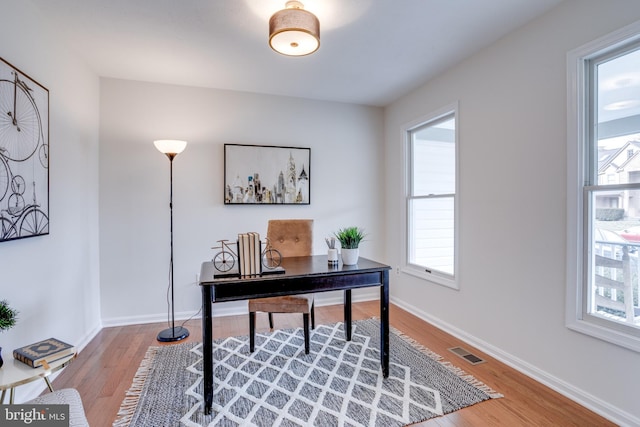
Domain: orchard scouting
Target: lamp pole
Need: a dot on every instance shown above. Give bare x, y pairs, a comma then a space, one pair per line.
171, 148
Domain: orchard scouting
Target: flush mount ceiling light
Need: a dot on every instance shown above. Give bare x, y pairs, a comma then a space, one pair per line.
294, 31
622, 105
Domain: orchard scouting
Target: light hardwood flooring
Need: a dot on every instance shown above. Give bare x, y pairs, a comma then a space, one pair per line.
103, 371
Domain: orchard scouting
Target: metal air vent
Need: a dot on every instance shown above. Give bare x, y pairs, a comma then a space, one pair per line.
466, 355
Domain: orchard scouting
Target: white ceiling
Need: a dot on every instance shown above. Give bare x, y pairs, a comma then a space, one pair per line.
372, 51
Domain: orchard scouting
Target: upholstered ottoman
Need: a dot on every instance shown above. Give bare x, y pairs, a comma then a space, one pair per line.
67, 396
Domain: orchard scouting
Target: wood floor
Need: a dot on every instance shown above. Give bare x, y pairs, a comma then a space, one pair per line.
103, 371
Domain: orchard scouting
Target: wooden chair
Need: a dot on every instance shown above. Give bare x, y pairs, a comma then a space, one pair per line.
292, 237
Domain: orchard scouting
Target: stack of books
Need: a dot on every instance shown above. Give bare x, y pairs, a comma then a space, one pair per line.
249, 254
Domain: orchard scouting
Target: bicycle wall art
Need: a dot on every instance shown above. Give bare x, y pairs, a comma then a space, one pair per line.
263, 174
24, 155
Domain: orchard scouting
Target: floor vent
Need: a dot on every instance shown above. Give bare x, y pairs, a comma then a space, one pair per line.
466, 355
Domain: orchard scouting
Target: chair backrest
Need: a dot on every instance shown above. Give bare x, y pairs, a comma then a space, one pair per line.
292, 237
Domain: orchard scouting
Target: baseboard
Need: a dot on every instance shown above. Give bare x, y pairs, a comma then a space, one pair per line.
149, 318
237, 308
84, 341
605, 409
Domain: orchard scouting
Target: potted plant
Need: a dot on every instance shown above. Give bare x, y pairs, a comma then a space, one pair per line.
350, 238
8, 317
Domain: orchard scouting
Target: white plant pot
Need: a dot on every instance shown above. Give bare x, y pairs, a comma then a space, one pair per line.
350, 256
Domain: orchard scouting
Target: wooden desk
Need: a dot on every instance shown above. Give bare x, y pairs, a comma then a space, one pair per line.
14, 373
302, 275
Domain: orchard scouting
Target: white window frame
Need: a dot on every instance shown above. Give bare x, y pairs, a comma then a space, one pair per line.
437, 277
577, 318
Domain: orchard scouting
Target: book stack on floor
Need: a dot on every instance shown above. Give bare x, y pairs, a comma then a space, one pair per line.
249, 254
43, 352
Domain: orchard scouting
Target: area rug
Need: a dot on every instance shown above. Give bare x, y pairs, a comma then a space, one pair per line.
339, 383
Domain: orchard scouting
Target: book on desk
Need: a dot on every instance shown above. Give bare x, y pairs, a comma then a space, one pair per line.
45, 351
249, 254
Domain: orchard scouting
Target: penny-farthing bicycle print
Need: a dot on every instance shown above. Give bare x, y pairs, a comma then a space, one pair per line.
24, 155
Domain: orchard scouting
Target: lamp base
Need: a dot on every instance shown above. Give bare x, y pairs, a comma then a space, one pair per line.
176, 333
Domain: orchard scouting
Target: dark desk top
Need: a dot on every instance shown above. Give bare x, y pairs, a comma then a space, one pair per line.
315, 265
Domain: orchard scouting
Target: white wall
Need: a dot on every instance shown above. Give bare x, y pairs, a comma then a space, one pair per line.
53, 280
512, 123
512, 197
346, 185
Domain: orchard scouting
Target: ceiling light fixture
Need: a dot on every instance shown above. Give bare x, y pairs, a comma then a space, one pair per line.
622, 105
294, 31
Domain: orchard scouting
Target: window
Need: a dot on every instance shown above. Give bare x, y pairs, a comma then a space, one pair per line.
430, 201
603, 248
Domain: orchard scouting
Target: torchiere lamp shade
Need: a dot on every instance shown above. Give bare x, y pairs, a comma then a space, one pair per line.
170, 146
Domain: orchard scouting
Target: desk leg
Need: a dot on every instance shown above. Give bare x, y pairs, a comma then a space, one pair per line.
207, 348
347, 314
384, 323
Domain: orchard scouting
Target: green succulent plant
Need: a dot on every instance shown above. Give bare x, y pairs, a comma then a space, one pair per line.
350, 237
8, 316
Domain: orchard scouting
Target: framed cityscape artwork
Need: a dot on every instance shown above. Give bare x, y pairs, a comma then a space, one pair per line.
24, 155
263, 174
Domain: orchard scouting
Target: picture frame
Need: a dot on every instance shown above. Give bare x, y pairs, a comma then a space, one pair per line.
24, 155
266, 174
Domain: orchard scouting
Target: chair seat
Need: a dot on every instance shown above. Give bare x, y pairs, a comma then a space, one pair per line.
67, 396
285, 304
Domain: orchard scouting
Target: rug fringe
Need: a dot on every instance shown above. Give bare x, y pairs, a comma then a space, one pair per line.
130, 402
448, 365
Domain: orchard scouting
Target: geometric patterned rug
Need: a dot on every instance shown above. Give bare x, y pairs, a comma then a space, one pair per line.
338, 383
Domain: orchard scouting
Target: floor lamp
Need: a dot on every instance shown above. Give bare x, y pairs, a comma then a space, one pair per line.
171, 148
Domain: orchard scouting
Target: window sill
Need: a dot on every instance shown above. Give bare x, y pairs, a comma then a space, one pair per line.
604, 333
438, 279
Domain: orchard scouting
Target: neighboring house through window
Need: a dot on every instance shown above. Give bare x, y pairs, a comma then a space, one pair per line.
603, 238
